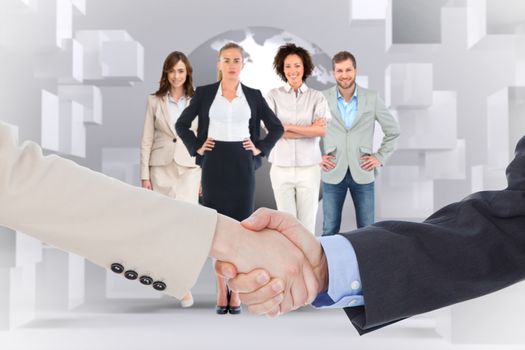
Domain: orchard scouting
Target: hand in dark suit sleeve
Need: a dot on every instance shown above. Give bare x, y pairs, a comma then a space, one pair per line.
273, 125
183, 124
463, 251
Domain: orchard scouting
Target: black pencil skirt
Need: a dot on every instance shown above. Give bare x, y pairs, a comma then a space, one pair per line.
228, 180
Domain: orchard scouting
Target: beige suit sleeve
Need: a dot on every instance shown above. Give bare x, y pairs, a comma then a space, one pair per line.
148, 132
103, 219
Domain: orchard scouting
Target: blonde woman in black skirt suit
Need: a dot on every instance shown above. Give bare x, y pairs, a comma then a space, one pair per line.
228, 145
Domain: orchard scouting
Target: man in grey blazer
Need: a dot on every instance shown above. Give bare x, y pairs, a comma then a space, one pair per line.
349, 162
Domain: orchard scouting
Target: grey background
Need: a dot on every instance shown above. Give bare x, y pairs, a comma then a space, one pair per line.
450, 146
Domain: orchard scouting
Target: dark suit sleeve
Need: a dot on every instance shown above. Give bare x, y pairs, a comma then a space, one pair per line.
273, 125
516, 169
463, 251
183, 124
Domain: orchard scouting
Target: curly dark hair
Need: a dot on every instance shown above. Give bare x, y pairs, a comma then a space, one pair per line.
292, 49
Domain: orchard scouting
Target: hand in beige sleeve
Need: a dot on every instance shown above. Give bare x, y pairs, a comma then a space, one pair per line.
273, 252
255, 291
142, 235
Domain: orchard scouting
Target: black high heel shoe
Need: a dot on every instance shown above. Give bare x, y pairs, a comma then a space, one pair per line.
233, 310
223, 310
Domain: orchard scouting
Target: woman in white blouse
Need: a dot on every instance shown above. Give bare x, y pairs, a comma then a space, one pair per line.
166, 166
304, 112
228, 145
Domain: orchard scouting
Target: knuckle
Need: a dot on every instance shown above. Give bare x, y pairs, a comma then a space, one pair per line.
285, 308
246, 299
292, 270
269, 306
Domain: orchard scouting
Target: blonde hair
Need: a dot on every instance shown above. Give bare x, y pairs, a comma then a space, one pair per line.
227, 46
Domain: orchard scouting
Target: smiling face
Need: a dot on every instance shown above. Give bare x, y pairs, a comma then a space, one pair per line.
230, 63
177, 75
293, 70
344, 74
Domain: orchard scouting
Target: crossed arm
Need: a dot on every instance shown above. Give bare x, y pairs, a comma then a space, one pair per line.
316, 129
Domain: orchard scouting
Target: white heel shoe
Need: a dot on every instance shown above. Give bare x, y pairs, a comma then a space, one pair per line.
187, 302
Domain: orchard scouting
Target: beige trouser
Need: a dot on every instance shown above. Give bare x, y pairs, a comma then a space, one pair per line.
176, 181
296, 191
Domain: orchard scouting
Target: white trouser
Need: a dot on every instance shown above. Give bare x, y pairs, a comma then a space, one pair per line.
296, 191
176, 181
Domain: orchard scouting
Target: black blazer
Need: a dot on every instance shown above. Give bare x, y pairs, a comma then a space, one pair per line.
200, 106
463, 251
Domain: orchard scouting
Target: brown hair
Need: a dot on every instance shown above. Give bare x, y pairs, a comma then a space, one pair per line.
292, 49
343, 56
170, 61
227, 46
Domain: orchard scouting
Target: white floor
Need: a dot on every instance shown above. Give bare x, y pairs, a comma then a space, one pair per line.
162, 324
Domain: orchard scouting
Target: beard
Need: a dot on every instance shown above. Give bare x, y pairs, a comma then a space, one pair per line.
346, 84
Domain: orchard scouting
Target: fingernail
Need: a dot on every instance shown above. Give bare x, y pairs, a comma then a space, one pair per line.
262, 278
277, 287
278, 298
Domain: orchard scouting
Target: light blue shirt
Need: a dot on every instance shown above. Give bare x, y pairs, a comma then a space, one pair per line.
344, 281
348, 109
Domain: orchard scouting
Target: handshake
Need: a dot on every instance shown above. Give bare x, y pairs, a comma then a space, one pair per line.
279, 268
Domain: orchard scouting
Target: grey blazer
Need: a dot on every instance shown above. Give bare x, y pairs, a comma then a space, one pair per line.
349, 145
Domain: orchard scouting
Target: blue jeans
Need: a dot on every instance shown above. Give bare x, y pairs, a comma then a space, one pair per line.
334, 198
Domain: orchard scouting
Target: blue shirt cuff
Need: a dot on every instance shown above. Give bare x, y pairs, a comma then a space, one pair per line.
344, 281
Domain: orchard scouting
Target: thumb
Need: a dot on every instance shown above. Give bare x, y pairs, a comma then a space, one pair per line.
225, 269
289, 227
268, 218
256, 222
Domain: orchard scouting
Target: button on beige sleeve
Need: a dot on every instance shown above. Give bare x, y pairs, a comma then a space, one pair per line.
101, 218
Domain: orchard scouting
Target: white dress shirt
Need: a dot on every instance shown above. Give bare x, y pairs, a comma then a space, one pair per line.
301, 109
229, 121
175, 108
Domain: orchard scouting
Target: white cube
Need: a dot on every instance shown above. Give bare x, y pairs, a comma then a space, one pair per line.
409, 85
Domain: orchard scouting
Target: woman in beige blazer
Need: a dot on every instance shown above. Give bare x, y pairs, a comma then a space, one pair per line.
166, 166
